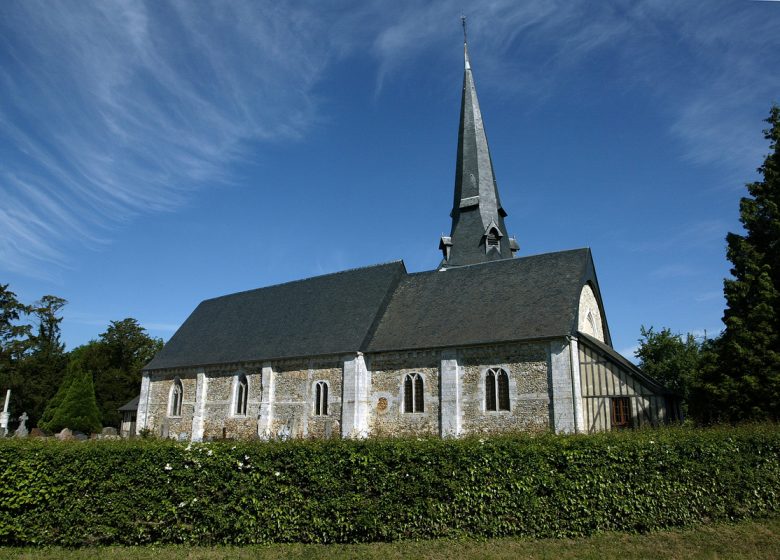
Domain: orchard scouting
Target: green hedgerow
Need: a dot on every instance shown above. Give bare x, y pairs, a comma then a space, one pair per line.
153, 491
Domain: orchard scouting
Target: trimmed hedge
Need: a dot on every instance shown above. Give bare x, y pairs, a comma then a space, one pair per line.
142, 491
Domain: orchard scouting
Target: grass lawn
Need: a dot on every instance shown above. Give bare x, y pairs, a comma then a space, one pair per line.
750, 539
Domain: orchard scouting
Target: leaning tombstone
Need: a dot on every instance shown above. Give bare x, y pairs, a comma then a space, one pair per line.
64, 435
21, 431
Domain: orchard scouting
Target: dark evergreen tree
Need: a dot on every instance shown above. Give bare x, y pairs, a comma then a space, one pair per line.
43, 368
747, 385
46, 421
78, 409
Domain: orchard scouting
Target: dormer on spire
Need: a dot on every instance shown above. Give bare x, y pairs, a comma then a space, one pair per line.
478, 232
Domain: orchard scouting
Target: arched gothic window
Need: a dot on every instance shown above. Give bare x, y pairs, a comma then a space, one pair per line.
321, 399
413, 393
496, 385
242, 394
175, 398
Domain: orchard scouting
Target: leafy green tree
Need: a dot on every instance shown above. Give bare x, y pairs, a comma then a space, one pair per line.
669, 358
116, 360
78, 409
748, 383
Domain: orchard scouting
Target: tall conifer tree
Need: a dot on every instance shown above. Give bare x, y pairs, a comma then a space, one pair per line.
749, 385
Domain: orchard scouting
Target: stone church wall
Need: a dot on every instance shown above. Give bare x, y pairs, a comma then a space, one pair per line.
294, 395
529, 388
159, 422
282, 394
387, 395
219, 409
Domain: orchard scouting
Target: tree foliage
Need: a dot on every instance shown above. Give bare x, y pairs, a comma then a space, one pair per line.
34, 364
116, 360
747, 385
78, 408
14, 336
669, 358
31, 365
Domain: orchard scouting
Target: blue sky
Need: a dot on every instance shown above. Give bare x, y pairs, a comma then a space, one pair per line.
153, 155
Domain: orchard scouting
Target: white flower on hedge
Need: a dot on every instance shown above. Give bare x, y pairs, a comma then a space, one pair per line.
246, 457
210, 453
168, 467
277, 473
182, 504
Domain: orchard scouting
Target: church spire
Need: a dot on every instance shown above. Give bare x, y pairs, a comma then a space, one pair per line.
478, 232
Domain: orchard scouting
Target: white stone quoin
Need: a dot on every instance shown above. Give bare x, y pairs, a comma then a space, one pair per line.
356, 404
266, 416
201, 383
561, 385
142, 416
450, 395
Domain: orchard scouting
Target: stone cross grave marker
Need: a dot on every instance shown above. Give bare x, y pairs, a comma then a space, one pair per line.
21, 431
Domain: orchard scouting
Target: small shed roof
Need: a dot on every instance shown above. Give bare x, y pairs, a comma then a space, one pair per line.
131, 405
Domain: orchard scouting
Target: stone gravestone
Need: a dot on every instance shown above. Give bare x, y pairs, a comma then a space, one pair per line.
108, 431
37, 432
65, 434
21, 431
5, 416
81, 436
283, 433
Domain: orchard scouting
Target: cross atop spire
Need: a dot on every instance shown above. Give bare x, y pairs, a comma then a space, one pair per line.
478, 232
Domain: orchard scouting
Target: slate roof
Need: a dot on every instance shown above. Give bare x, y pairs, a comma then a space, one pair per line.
476, 205
328, 314
131, 405
514, 299
382, 308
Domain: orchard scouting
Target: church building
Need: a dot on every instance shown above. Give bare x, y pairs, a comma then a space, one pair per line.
487, 342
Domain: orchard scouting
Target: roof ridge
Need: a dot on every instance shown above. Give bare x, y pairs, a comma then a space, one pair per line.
511, 259
388, 263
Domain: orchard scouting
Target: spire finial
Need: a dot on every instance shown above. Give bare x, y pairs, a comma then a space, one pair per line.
463, 23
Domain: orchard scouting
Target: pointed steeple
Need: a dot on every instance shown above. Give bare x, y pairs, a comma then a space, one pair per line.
478, 232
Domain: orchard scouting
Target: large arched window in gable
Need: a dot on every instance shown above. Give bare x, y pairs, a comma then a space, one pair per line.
175, 398
413, 393
590, 320
496, 390
242, 395
321, 398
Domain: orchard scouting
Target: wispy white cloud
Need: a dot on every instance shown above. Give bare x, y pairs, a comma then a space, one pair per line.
696, 235
118, 108
710, 65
